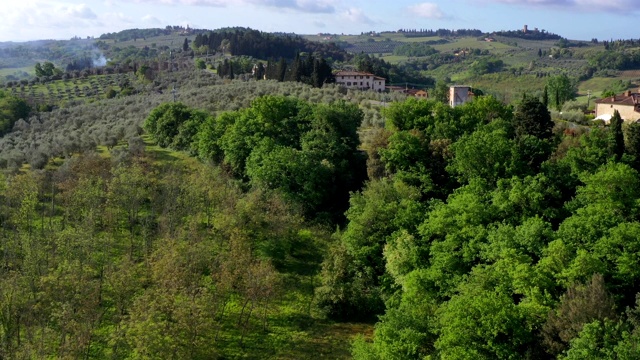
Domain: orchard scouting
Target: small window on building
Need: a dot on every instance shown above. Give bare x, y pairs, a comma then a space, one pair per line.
349, 84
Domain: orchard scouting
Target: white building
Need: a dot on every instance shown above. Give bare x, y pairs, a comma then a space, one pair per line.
627, 104
360, 80
459, 94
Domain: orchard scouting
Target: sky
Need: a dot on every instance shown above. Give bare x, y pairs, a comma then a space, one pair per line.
24, 20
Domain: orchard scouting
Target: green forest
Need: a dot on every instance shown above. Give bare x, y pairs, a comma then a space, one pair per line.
166, 209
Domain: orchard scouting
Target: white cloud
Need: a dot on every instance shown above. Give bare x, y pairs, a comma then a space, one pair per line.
427, 10
80, 11
310, 6
150, 19
355, 15
621, 6
40, 19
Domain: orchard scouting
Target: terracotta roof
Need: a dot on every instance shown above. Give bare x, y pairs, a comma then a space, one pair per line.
352, 73
630, 99
395, 88
378, 78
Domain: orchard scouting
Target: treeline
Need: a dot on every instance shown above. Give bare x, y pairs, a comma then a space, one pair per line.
440, 32
80, 64
484, 234
616, 60
308, 152
309, 70
262, 45
620, 44
529, 35
134, 34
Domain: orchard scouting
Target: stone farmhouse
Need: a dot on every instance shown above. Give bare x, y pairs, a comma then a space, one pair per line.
627, 104
360, 80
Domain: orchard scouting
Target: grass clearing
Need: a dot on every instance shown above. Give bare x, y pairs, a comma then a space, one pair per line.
13, 70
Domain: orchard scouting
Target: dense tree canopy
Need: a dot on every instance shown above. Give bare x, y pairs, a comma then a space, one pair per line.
11, 110
308, 152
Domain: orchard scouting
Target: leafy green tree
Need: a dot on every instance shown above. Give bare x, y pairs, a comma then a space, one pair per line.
187, 139
591, 152
11, 110
209, 134
520, 198
352, 279
561, 90
407, 156
601, 340
441, 92
48, 68
304, 180
174, 125
39, 70
144, 73
200, 64
484, 154
333, 142
532, 118
529, 153
619, 251
276, 117
453, 234
405, 331
481, 322
481, 111
409, 114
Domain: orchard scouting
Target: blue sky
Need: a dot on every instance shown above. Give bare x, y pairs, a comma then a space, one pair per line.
22, 20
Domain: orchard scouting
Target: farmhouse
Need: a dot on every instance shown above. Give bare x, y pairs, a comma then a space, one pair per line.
360, 80
627, 104
420, 94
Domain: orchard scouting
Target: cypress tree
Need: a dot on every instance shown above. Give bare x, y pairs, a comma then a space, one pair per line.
281, 70
616, 136
633, 143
